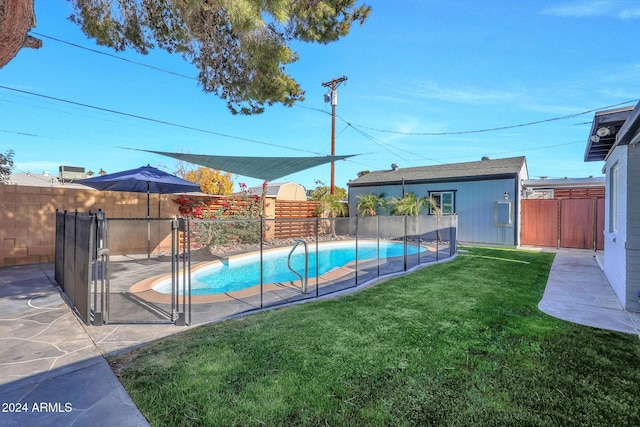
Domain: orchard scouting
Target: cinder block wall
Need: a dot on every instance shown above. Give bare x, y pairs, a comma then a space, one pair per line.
28, 224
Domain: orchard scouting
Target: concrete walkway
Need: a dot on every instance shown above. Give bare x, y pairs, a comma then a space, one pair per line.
578, 291
52, 366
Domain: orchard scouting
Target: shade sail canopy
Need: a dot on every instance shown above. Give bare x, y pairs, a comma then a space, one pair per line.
265, 168
145, 179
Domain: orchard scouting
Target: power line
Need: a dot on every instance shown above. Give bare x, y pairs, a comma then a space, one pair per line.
353, 124
17, 133
153, 67
525, 150
383, 145
135, 116
569, 116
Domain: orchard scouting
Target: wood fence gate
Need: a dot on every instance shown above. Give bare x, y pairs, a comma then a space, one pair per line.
563, 223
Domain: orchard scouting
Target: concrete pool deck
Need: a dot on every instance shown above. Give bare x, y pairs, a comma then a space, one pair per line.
55, 364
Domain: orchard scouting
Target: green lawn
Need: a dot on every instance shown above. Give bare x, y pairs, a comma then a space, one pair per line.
455, 344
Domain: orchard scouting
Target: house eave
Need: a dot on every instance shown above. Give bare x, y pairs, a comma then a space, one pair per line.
629, 131
435, 180
613, 122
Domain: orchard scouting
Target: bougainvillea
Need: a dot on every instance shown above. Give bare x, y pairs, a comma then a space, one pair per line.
224, 220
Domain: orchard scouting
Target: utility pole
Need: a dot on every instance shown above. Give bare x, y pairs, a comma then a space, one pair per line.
333, 98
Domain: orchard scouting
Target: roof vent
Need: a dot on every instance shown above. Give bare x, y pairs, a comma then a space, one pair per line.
394, 166
486, 158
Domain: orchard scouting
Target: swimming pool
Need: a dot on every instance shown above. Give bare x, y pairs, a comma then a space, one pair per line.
243, 272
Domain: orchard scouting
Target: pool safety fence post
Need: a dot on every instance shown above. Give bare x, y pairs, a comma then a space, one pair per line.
103, 253
419, 237
187, 232
378, 243
107, 288
404, 240
317, 257
181, 227
174, 262
174, 274
437, 237
261, 261
357, 240
97, 314
453, 235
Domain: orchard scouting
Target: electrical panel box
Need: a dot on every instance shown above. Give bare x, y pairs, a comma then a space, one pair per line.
503, 214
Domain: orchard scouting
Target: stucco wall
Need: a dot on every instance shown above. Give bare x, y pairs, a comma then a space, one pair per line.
633, 227
27, 216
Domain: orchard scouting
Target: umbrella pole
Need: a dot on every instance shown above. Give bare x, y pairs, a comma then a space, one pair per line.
148, 224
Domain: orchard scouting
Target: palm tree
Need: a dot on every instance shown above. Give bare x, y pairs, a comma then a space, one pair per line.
332, 206
410, 204
368, 204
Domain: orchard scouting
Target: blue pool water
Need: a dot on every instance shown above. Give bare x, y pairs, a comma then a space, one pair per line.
243, 272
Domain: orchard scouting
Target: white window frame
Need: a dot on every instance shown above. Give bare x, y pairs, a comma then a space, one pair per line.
614, 173
437, 196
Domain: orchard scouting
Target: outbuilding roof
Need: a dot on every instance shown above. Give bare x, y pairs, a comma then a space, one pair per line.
272, 190
483, 169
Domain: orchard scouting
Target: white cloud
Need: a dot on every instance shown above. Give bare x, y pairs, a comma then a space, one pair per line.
431, 90
620, 9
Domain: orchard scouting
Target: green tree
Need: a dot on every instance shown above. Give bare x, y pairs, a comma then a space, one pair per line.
369, 204
411, 204
6, 166
363, 173
211, 181
240, 47
332, 206
323, 190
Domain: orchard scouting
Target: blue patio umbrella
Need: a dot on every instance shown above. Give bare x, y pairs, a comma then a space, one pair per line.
145, 179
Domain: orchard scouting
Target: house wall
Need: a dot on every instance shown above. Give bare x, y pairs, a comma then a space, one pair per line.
622, 247
615, 259
632, 200
474, 204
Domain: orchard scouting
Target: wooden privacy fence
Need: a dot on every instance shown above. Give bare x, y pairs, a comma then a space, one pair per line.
287, 211
563, 223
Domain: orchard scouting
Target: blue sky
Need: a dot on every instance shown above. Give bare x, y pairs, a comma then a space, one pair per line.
420, 74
